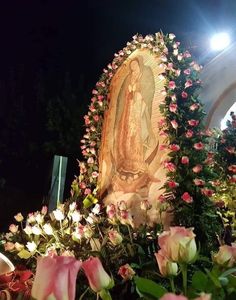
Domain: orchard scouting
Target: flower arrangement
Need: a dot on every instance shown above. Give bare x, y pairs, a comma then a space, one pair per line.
113, 258
189, 167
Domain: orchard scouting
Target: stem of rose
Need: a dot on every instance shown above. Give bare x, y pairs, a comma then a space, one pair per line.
184, 277
172, 284
82, 296
130, 235
62, 231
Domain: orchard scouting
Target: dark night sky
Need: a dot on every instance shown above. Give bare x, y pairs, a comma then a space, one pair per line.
79, 37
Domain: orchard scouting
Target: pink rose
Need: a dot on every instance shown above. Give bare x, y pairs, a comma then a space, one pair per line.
166, 267
232, 179
189, 133
178, 244
197, 169
111, 211
55, 277
188, 83
170, 296
232, 168
231, 150
174, 147
94, 92
126, 272
174, 124
115, 237
187, 198
172, 85
187, 71
170, 166
226, 256
198, 182
9, 246
125, 217
13, 228
173, 107
198, 146
92, 108
184, 95
187, 54
96, 275
172, 184
193, 122
90, 160
86, 119
96, 118
95, 174
194, 106
177, 72
207, 192
185, 160
87, 191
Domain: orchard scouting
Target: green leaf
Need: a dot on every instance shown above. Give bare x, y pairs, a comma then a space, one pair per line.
149, 287
228, 272
105, 295
199, 280
24, 254
232, 281
213, 278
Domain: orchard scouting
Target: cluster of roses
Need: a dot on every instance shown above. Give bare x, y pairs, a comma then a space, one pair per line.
182, 124
58, 232
178, 249
56, 277
68, 230
177, 246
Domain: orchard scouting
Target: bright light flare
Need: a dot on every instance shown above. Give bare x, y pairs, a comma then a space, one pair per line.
220, 41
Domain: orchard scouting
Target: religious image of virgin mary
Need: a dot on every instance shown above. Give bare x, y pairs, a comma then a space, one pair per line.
134, 141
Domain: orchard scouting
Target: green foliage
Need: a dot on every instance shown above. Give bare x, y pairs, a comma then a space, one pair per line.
225, 165
200, 213
148, 288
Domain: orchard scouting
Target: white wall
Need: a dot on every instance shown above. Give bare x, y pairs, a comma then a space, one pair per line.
219, 86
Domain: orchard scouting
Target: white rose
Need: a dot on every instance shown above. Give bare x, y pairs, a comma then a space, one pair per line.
58, 214
48, 229
31, 246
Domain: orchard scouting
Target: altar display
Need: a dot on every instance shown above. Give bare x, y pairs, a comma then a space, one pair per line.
140, 212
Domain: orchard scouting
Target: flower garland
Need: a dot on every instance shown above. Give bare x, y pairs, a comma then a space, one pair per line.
189, 175
87, 180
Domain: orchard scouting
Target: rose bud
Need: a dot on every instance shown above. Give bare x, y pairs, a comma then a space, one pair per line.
126, 272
